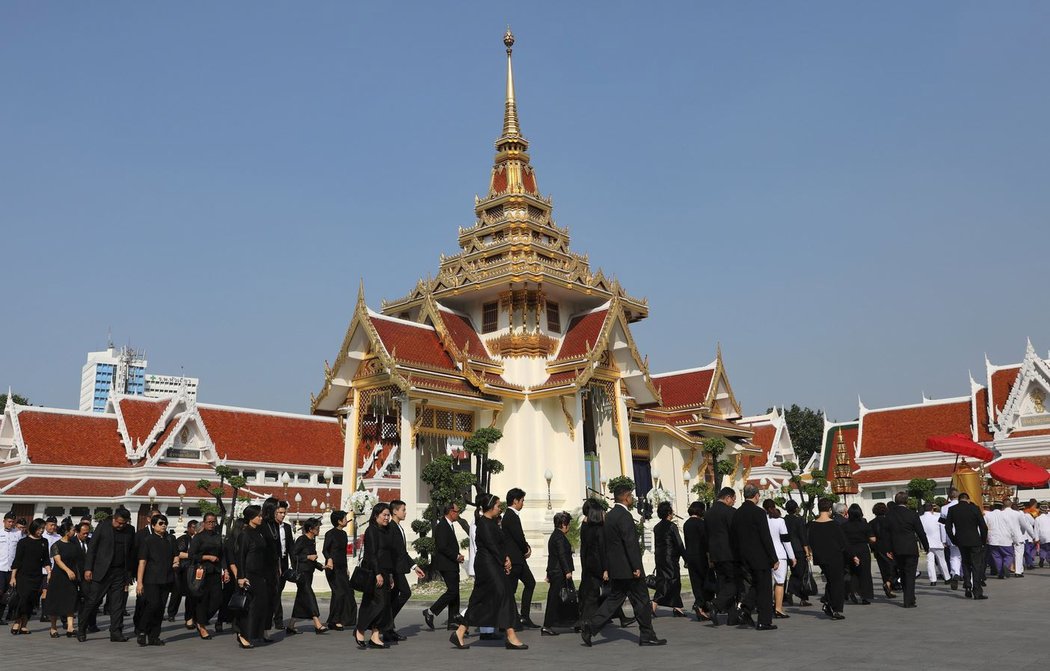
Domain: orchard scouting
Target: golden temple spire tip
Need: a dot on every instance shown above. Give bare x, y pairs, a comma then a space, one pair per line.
508, 39
510, 113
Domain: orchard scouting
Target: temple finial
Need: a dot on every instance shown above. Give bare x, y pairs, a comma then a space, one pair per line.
510, 113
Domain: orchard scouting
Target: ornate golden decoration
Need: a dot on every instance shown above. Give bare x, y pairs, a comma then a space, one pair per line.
569, 422
1038, 400
417, 422
522, 345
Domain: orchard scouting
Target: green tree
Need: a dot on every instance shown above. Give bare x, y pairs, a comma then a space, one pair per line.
19, 400
921, 489
229, 476
806, 428
704, 491
715, 447
478, 446
817, 487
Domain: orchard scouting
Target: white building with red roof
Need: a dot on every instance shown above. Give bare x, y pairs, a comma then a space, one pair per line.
71, 462
1008, 414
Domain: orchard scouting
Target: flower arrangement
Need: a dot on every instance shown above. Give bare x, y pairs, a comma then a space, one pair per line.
362, 500
658, 495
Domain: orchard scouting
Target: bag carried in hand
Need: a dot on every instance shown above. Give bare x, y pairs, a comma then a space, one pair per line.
568, 594
650, 581
195, 581
292, 575
240, 600
363, 579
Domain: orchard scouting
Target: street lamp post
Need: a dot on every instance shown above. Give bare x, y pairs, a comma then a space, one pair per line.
182, 493
152, 496
548, 476
299, 509
328, 475
285, 481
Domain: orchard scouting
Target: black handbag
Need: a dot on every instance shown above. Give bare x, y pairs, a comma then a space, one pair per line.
568, 594
195, 581
650, 581
240, 600
363, 579
292, 575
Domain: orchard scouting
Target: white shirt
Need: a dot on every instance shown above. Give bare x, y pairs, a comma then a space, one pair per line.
473, 549
1001, 529
8, 542
1023, 523
1042, 528
935, 532
776, 528
284, 548
944, 515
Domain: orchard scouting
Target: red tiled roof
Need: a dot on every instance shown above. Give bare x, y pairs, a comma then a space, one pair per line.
904, 474
82, 440
558, 379
261, 437
582, 334
140, 416
682, 390
1021, 433
763, 438
464, 335
52, 486
661, 418
413, 344
1002, 381
980, 400
905, 430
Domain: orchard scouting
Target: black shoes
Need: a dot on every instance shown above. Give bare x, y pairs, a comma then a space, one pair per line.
510, 646
156, 641
527, 623
780, 616
627, 622
393, 636
586, 634
804, 602
81, 636
838, 616
428, 617
980, 597
954, 582
765, 627
118, 638
652, 641
291, 631
242, 645
141, 640
372, 645
548, 632
746, 620
454, 640
911, 605
360, 643
865, 602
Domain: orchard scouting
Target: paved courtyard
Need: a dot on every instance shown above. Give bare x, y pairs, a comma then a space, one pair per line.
959, 633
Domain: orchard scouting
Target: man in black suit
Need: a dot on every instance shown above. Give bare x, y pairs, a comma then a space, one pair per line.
625, 572
904, 527
447, 559
402, 564
107, 572
284, 531
519, 551
756, 558
719, 522
695, 532
968, 532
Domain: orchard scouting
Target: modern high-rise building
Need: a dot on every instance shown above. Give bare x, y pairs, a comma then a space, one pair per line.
123, 371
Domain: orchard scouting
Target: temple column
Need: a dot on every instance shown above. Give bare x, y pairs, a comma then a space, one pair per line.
410, 490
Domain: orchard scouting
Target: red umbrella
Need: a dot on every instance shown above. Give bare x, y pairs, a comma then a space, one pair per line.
961, 445
1019, 472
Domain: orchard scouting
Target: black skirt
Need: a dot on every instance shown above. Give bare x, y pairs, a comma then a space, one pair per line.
490, 602
305, 606
62, 595
668, 586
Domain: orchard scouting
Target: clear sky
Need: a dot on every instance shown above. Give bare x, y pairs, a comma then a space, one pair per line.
851, 197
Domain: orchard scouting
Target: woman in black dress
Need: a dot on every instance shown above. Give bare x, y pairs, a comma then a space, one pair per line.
62, 584
828, 544
858, 536
668, 551
696, 559
206, 554
230, 546
304, 560
342, 608
257, 571
375, 613
158, 556
491, 602
879, 547
559, 575
30, 567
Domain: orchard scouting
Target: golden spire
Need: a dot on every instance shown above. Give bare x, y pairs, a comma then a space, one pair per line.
510, 113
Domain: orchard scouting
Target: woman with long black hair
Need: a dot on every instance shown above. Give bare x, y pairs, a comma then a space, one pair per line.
304, 560
375, 613
30, 567
63, 583
257, 572
206, 554
342, 608
491, 603
668, 550
230, 546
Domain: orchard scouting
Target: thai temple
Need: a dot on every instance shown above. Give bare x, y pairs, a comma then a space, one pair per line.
517, 331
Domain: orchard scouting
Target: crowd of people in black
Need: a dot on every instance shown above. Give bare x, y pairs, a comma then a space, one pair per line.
744, 563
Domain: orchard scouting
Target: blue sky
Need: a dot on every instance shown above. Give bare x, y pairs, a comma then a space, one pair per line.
852, 198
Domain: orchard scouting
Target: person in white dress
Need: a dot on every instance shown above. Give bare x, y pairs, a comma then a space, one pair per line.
938, 537
785, 554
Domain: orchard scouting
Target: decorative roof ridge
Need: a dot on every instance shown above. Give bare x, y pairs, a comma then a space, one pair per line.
604, 306
378, 315
924, 404
67, 411
269, 413
710, 366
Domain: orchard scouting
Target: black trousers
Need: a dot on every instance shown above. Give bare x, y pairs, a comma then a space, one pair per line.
698, 571
110, 587
450, 598
630, 588
834, 585
799, 573
178, 590
973, 560
860, 576
254, 623
5, 580
758, 592
209, 602
228, 590
728, 587
399, 596
906, 565
150, 610
524, 574
553, 606
278, 608
375, 611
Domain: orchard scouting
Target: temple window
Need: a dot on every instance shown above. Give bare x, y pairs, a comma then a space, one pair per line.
489, 317
553, 318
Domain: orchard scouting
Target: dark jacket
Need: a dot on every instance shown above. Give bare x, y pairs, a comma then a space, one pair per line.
206, 543
965, 525
796, 527
559, 555
621, 544
695, 532
750, 533
446, 547
159, 552
377, 555
100, 552
593, 556
719, 522
903, 527
334, 548
516, 545
303, 547
667, 544
399, 549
